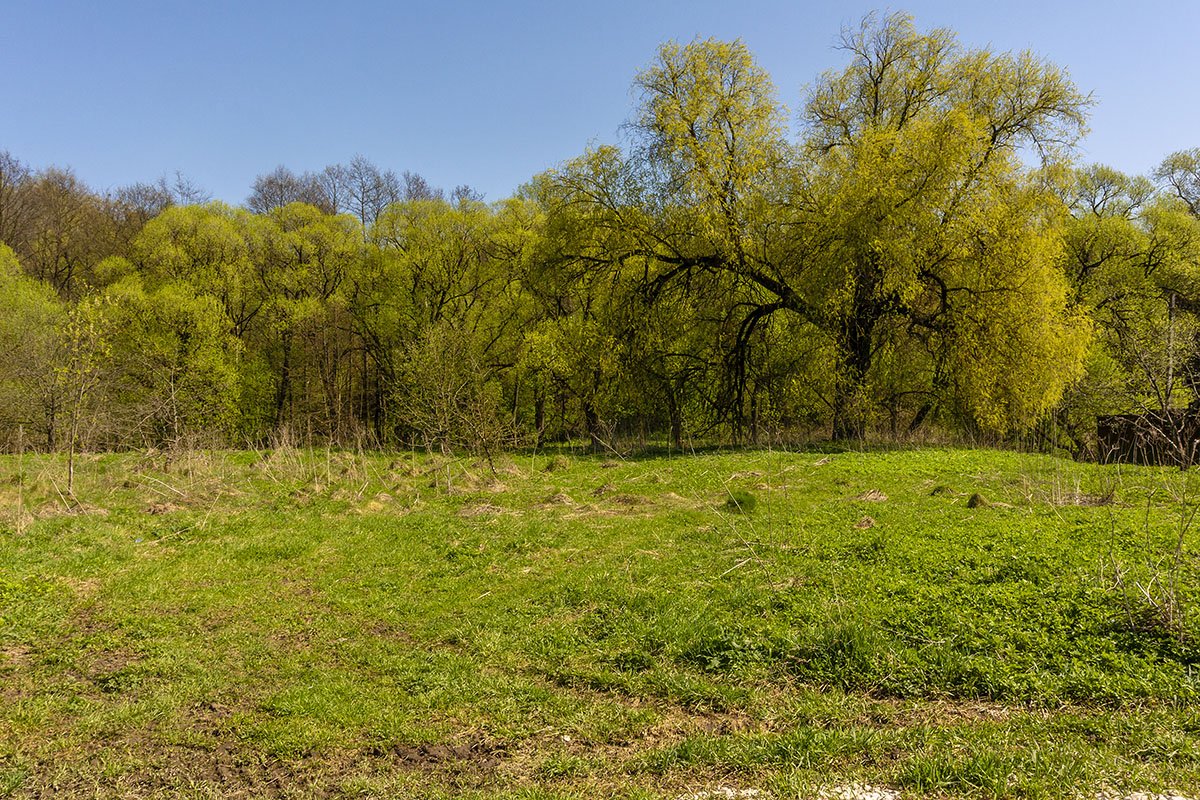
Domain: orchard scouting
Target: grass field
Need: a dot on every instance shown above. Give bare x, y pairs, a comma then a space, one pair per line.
942, 623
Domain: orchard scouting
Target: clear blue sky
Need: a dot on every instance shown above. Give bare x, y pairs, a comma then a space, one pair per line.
490, 93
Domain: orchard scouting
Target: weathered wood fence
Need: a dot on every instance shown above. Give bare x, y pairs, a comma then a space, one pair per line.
1156, 438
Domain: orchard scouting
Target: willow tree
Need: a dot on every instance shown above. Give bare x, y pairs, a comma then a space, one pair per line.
211, 248
935, 227
176, 363
1116, 251
903, 226
32, 318
305, 257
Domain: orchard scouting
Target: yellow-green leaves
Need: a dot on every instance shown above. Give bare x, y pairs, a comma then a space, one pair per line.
1135, 259
935, 231
712, 124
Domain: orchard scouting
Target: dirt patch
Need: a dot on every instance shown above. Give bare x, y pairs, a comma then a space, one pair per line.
558, 499
232, 770
1088, 500
228, 770
630, 500
479, 754
15, 656
480, 510
162, 508
872, 496
937, 713
112, 671
142, 764
83, 588
51, 510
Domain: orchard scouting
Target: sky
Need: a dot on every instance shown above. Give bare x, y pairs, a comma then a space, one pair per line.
491, 93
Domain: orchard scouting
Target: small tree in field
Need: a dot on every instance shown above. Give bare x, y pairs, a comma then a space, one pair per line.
450, 397
84, 351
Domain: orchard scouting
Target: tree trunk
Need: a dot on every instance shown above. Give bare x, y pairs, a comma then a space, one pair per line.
590, 417
754, 431
855, 349
676, 418
591, 421
539, 417
284, 390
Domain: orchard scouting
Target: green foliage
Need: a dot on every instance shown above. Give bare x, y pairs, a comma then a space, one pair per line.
451, 397
917, 254
741, 501
942, 234
31, 321
904, 233
1133, 255
212, 248
178, 363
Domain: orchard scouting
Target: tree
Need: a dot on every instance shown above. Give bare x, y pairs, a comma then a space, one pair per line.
69, 232
452, 398
281, 187
212, 248
138, 203
464, 193
334, 182
576, 279
176, 361
15, 179
369, 190
304, 258
904, 215
436, 275
1132, 251
1180, 173
929, 214
32, 318
79, 369
417, 188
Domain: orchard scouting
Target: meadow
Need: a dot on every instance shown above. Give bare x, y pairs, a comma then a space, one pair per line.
322, 623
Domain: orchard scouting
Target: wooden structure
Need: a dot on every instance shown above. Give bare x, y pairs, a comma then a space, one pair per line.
1156, 438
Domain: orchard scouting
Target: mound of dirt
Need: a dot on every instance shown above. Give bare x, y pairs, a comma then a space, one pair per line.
630, 500
480, 510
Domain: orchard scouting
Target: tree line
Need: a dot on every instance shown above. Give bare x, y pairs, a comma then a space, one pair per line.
921, 251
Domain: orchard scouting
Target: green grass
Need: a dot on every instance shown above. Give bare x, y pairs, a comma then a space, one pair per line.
331, 624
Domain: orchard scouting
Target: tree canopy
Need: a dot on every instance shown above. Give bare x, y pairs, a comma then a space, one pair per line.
918, 249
